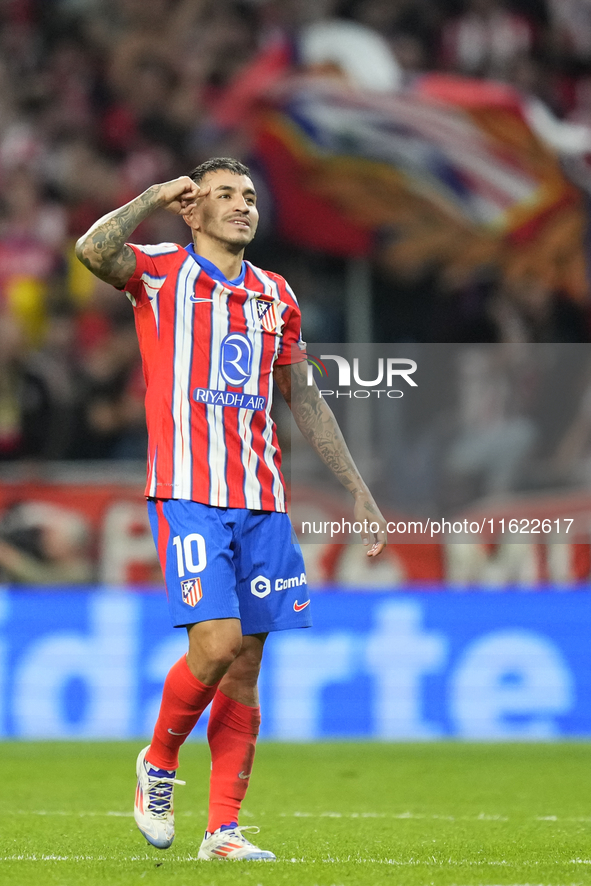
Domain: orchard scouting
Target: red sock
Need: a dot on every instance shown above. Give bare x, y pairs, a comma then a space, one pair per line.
184, 698
232, 734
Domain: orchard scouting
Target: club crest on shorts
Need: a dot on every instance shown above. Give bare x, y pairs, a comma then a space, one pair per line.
268, 315
192, 591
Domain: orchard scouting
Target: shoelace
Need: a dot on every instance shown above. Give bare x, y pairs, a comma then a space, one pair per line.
160, 795
238, 832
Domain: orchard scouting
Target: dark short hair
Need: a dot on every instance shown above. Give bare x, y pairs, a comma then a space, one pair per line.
215, 163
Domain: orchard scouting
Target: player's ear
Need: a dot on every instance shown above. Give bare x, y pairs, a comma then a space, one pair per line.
190, 218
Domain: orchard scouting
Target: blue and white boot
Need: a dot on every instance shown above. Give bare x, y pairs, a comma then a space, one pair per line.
153, 809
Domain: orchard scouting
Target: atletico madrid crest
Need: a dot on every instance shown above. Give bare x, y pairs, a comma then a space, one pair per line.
192, 591
268, 315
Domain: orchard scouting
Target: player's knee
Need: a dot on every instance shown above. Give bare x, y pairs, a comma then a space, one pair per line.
251, 660
222, 655
211, 664
244, 673
221, 648
212, 649
247, 665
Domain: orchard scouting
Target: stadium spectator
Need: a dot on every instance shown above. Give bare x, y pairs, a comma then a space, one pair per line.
485, 39
43, 544
402, 20
55, 365
572, 457
532, 312
571, 28
32, 236
25, 405
494, 432
111, 420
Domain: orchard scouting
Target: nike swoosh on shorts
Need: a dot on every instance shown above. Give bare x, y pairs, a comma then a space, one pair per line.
297, 607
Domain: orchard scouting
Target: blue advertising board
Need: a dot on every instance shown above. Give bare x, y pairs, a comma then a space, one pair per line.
391, 666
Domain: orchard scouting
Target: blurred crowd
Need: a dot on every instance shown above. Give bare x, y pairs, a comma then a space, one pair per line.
101, 98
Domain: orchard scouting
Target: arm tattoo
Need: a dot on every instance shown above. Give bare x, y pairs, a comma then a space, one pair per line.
317, 423
103, 249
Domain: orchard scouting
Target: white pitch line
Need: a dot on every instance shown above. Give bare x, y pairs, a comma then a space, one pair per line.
109, 814
393, 816
412, 862
418, 816
59, 812
399, 816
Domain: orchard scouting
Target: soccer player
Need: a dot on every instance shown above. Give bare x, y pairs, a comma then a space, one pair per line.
214, 332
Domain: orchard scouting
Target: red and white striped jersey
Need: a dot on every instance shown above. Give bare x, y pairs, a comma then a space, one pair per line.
208, 349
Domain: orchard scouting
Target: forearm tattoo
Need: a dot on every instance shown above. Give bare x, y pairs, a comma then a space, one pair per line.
317, 423
103, 250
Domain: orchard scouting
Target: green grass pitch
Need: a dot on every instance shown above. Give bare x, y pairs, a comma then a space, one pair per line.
335, 814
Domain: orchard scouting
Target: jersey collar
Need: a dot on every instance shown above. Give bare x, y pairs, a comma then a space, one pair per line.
213, 271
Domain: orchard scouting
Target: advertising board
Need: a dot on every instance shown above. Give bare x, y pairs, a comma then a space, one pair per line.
389, 666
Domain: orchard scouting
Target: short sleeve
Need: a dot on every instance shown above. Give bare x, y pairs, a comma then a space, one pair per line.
153, 264
292, 348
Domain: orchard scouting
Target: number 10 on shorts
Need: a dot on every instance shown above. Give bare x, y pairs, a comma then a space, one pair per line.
187, 549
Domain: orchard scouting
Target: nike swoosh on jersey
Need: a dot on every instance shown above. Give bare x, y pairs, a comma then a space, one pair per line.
244, 774
297, 607
192, 298
178, 733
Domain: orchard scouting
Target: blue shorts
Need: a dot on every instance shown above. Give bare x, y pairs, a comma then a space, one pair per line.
230, 563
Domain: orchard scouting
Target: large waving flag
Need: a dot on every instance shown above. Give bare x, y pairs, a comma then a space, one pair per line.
451, 168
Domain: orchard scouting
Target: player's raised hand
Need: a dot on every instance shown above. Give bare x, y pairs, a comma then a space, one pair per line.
369, 515
180, 194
